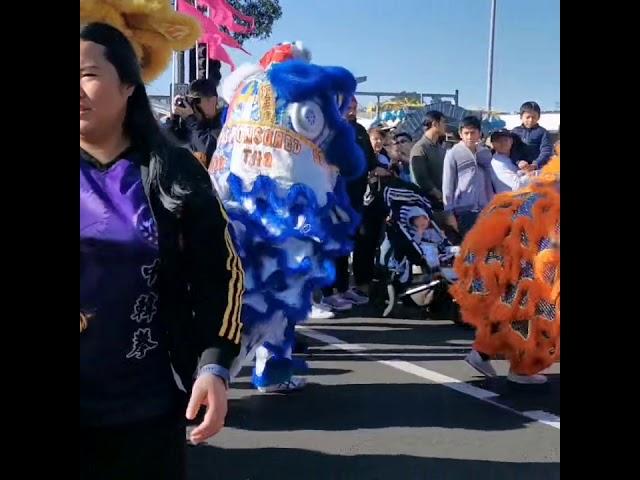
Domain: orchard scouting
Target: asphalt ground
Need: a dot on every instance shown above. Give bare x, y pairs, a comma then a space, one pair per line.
388, 399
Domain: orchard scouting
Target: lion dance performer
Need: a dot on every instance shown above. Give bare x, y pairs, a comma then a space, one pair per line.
509, 279
279, 168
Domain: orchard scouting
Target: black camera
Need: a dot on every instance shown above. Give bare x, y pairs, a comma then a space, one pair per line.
181, 102
184, 101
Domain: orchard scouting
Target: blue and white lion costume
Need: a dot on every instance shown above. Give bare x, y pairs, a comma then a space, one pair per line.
280, 167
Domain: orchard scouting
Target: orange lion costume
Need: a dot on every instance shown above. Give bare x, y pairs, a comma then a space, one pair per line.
509, 275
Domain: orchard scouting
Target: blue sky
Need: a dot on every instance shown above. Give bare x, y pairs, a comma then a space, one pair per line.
427, 46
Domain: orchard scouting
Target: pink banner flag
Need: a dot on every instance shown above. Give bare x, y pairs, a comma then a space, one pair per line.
217, 51
224, 14
221, 14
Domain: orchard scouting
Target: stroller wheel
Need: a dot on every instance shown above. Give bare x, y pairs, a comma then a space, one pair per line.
392, 300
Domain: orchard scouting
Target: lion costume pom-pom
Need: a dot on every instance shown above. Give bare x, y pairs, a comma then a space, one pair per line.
154, 29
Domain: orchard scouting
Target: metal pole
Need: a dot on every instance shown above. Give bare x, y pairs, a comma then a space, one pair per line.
177, 63
174, 75
180, 66
490, 66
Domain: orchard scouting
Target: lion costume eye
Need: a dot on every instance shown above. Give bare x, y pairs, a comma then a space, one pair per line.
307, 118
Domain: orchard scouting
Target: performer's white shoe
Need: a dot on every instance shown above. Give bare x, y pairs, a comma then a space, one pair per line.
483, 366
527, 379
321, 312
291, 385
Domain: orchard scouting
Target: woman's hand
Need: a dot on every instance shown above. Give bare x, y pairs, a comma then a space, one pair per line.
208, 390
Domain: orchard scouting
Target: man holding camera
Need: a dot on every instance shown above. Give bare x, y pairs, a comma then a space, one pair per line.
196, 123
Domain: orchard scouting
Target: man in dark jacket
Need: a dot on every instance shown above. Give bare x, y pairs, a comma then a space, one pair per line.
535, 148
356, 188
196, 123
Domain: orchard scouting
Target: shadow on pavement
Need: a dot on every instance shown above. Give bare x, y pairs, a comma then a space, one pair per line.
212, 463
372, 333
408, 356
525, 397
350, 407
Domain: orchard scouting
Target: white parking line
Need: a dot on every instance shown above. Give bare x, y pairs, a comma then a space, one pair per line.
544, 417
435, 377
318, 351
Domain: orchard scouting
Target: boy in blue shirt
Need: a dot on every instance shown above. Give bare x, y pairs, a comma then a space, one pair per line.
536, 148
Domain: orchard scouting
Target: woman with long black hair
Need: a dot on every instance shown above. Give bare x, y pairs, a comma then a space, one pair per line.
160, 282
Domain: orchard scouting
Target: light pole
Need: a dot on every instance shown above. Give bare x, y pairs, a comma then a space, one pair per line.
177, 64
492, 34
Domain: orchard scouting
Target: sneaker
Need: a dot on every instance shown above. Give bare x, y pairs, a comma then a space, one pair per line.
291, 385
526, 379
321, 312
355, 296
483, 366
336, 302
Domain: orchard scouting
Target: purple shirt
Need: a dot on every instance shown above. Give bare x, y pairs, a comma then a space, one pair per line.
125, 374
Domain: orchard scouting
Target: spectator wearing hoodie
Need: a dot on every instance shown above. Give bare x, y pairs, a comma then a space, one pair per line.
466, 178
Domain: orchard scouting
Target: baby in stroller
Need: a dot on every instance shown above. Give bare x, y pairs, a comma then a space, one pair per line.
414, 239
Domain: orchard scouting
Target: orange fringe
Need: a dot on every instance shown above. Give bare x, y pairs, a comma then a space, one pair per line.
513, 246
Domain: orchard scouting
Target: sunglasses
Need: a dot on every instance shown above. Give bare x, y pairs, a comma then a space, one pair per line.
401, 141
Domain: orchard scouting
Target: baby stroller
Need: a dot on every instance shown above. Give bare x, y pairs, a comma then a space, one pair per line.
407, 246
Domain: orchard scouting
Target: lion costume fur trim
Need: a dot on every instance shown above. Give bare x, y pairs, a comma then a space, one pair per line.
154, 29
